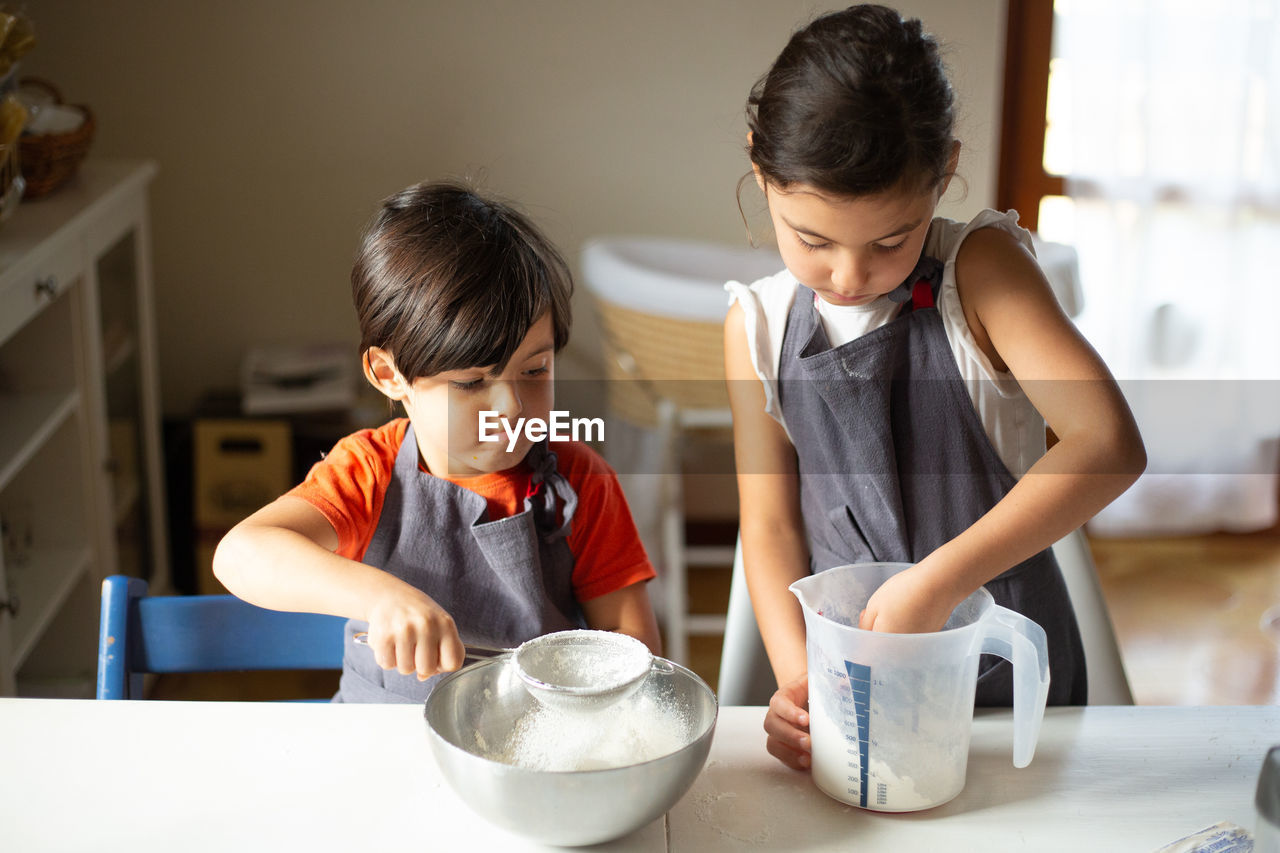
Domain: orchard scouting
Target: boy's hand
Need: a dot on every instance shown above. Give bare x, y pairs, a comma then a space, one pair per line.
910, 602
409, 632
787, 724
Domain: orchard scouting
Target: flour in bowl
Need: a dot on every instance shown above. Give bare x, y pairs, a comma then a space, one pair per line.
631, 732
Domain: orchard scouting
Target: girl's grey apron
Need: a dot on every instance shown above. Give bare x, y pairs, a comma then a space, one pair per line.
894, 462
503, 581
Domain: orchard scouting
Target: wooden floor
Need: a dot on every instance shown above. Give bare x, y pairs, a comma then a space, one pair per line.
1198, 621
1198, 618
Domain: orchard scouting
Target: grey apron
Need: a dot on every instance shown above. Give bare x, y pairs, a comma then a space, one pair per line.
503, 581
894, 462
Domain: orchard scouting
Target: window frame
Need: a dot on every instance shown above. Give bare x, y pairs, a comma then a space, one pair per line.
1021, 178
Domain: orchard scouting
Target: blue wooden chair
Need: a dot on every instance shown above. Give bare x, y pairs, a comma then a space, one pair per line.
139, 633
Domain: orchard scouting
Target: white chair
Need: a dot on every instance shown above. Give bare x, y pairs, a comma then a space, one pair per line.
746, 678
745, 675
1108, 685
661, 305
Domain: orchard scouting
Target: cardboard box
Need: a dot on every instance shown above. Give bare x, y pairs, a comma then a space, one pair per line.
241, 465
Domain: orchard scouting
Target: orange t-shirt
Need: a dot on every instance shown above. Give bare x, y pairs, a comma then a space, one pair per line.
348, 486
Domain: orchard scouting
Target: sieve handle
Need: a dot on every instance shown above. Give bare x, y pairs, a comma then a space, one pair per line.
361, 638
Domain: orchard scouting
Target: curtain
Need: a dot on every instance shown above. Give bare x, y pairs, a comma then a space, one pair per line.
1165, 117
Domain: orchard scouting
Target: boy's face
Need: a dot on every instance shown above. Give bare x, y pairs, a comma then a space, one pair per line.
445, 408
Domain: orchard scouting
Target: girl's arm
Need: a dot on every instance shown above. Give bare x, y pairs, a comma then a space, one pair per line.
282, 558
774, 551
1018, 324
626, 611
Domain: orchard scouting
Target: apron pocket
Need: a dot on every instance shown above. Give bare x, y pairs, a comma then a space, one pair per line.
848, 539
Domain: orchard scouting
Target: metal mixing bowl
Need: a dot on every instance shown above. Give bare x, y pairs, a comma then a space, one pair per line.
476, 708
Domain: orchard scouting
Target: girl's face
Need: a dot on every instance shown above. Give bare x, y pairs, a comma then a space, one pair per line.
850, 251
445, 409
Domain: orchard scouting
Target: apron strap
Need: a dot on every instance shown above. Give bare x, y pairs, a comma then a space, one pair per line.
921, 295
927, 274
549, 494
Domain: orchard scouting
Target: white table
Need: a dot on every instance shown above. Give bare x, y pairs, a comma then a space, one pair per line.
84, 775
1103, 779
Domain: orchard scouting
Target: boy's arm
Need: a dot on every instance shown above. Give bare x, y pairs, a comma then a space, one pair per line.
282, 558
626, 611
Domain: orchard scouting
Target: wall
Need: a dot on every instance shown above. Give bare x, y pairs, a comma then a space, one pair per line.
278, 126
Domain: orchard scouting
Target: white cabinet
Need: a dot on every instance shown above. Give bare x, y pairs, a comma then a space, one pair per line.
81, 485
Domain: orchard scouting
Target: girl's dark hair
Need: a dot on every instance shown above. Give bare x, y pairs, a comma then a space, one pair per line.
858, 102
446, 279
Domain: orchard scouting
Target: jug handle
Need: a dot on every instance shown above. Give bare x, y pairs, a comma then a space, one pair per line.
1022, 642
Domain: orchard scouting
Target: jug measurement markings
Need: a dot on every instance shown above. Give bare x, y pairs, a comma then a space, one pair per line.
860, 689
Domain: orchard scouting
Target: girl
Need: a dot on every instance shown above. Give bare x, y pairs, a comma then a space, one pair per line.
894, 381
418, 531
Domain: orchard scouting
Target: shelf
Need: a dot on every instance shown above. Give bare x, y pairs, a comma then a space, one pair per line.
30, 419
86, 203
42, 586
81, 476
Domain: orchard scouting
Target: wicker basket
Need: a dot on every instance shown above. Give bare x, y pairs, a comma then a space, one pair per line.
49, 160
650, 357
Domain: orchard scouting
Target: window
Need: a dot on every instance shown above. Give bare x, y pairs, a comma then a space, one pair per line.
1146, 133
1022, 180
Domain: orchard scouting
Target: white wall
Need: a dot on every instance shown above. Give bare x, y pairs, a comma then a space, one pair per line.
278, 125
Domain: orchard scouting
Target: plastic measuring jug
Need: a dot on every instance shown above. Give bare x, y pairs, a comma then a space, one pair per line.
890, 714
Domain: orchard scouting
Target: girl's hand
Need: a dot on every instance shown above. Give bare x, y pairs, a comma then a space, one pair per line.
910, 602
787, 724
409, 632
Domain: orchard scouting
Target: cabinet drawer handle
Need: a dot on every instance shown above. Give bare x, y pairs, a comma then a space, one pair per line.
47, 287
12, 603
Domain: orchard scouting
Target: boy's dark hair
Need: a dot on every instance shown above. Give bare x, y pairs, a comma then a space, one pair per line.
446, 279
858, 102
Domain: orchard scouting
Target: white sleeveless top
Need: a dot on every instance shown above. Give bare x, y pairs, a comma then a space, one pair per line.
1013, 425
